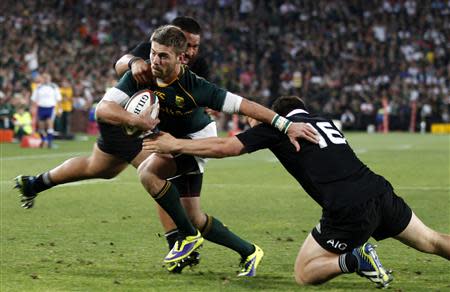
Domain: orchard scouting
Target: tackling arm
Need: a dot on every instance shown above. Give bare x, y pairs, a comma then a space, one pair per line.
213, 147
121, 65
293, 130
140, 69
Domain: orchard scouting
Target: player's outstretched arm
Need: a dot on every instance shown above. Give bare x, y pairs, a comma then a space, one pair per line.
214, 147
293, 130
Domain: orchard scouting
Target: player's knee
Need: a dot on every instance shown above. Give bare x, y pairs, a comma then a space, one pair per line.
145, 174
303, 276
302, 279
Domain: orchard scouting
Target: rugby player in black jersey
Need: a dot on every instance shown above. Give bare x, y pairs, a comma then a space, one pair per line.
356, 202
182, 98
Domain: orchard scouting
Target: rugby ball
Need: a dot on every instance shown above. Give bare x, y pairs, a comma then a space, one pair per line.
138, 103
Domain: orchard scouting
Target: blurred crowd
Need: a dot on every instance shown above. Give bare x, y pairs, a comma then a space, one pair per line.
351, 60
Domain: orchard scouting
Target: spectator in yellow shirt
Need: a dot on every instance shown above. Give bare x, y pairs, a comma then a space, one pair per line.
22, 122
66, 106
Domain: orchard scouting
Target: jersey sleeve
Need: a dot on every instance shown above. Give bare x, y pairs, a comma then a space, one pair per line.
260, 137
207, 94
122, 91
127, 84
142, 50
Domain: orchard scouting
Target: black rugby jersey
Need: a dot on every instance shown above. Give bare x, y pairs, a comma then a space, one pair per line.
330, 172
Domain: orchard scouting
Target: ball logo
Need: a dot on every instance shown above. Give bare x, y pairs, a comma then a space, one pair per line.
144, 98
337, 244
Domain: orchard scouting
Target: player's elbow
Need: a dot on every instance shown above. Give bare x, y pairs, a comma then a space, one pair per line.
121, 66
100, 110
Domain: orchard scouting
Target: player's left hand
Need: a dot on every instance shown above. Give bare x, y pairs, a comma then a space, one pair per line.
160, 143
302, 131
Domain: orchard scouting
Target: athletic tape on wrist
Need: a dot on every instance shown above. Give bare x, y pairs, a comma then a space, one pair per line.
281, 123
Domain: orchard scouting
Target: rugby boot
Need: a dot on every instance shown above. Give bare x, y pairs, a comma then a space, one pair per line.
184, 247
25, 186
370, 267
249, 264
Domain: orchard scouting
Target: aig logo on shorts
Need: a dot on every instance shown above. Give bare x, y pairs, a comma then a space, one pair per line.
337, 244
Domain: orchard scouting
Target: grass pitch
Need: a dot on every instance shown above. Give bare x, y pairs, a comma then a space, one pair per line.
104, 235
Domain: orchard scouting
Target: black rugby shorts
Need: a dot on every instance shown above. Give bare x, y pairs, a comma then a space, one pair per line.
380, 217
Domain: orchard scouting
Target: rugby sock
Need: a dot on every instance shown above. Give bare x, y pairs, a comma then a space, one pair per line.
348, 263
171, 237
218, 233
42, 182
169, 199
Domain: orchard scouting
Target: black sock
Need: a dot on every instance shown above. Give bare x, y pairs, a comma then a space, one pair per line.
42, 182
171, 237
348, 262
169, 199
216, 232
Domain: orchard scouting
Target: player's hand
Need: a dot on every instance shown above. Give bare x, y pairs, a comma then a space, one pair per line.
144, 120
142, 71
161, 143
302, 131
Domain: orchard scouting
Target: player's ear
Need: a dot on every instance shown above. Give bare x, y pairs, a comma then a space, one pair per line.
181, 58
252, 122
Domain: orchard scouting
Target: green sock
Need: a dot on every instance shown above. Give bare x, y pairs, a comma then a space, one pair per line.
169, 199
216, 232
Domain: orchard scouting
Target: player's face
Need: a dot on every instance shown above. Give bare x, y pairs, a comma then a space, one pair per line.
164, 61
193, 44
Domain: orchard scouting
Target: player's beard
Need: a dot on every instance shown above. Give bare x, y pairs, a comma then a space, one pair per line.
162, 73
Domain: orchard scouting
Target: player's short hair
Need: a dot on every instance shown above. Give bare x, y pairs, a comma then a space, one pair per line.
285, 104
187, 24
170, 36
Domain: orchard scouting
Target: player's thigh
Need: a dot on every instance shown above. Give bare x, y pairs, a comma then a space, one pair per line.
104, 164
311, 251
143, 155
416, 234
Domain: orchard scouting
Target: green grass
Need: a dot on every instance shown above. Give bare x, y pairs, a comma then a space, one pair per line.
103, 235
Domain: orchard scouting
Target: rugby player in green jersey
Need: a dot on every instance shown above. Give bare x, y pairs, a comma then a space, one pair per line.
182, 96
189, 185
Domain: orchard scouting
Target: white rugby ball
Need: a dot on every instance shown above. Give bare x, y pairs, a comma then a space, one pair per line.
138, 103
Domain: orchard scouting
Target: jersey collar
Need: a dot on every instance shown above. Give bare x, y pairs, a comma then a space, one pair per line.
296, 111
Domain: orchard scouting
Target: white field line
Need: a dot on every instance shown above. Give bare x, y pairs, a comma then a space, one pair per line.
120, 182
74, 154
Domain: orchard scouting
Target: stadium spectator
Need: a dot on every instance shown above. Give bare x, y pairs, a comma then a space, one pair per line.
356, 203
338, 46
22, 122
66, 107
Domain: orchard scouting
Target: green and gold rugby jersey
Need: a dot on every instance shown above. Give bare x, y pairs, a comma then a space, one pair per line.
182, 101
